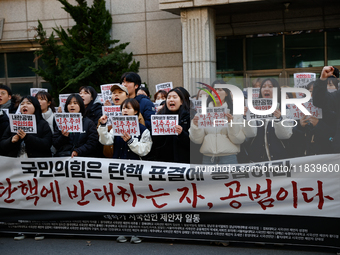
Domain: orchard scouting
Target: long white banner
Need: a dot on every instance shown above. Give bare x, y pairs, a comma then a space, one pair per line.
306, 186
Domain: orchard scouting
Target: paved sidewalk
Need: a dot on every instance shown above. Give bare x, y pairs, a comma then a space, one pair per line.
101, 246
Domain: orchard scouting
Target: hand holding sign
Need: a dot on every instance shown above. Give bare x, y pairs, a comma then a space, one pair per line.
195, 120
103, 119
15, 139
21, 134
178, 129
126, 137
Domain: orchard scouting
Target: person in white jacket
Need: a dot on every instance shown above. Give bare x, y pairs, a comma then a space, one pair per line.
220, 145
126, 146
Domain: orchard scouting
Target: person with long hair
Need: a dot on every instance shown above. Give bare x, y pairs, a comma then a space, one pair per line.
126, 146
76, 144
220, 145
270, 141
175, 148
22, 144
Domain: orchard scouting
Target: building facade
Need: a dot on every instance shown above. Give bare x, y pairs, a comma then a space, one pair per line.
185, 41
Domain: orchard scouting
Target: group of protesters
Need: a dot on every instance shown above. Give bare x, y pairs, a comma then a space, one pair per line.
229, 144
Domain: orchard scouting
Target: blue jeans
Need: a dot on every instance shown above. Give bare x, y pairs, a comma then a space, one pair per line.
221, 160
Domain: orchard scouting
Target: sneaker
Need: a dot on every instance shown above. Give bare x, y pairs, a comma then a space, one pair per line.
121, 239
135, 239
39, 237
19, 236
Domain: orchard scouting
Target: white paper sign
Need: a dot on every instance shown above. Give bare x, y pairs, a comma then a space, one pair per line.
215, 117
128, 124
167, 86
197, 103
261, 104
111, 111
297, 114
62, 100
34, 91
164, 124
106, 92
100, 96
25, 122
301, 80
256, 92
71, 122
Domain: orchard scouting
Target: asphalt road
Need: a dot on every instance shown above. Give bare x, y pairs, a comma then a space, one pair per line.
96, 245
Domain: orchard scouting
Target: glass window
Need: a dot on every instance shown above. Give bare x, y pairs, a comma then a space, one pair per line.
234, 79
229, 55
2, 65
47, 85
19, 64
21, 88
333, 48
264, 53
305, 50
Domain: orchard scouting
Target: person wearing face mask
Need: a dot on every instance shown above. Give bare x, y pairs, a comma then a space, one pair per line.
72, 143
329, 100
312, 136
174, 148
23, 145
160, 98
270, 141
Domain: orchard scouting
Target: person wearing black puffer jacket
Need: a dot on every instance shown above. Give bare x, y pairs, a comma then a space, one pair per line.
24, 145
76, 144
8, 104
175, 148
329, 100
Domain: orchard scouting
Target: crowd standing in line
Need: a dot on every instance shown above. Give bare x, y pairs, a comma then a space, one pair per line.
207, 145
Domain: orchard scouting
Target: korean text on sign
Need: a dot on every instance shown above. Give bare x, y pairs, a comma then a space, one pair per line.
297, 114
164, 124
167, 86
71, 122
261, 104
106, 91
34, 91
111, 111
256, 92
301, 80
215, 117
25, 122
128, 124
62, 100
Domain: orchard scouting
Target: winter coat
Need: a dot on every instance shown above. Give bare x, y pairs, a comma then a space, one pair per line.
147, 109
310, 140
174, 148
218, 141
328, 102
37, 145
83, 143
94, 110
134, 148
268, 142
